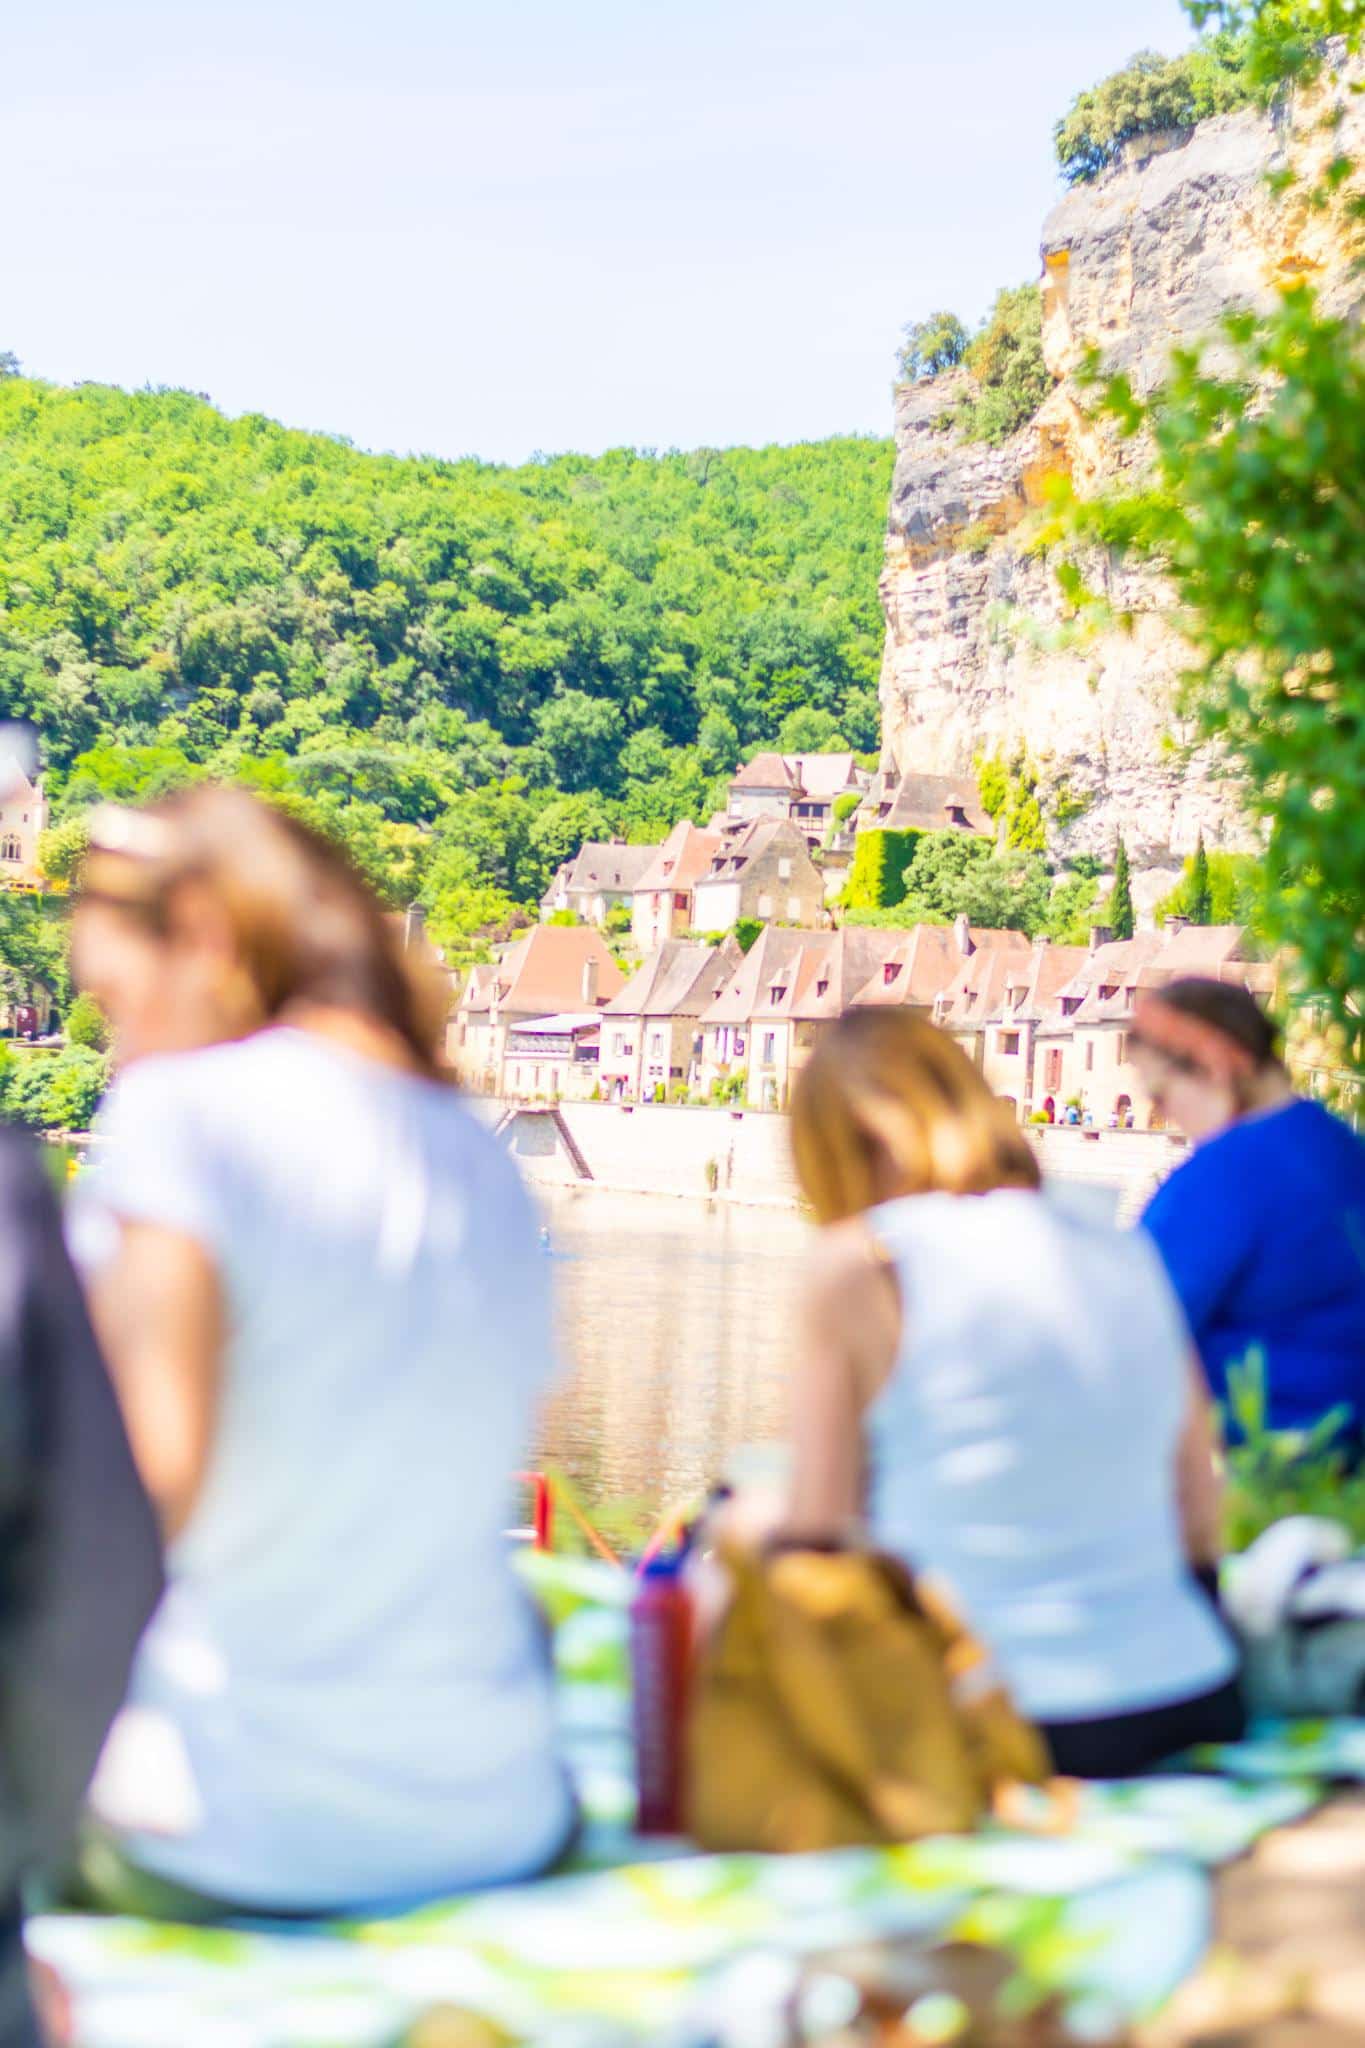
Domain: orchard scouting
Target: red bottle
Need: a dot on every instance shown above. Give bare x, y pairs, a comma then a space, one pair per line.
660, 1655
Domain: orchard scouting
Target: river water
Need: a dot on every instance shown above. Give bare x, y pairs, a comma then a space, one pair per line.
677, 1320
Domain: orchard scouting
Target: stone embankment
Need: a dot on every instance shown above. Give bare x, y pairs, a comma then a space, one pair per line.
745, 1155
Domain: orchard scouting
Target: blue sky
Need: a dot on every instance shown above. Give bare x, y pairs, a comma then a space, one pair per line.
529, 224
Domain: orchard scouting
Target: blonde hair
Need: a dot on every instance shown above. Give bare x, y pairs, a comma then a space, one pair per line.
888, 1103
305, 925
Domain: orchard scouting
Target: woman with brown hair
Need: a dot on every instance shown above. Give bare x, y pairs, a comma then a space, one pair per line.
320, 1287
1262, 1229
1002, 1393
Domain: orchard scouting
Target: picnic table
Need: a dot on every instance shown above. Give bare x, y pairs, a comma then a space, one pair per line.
1125, 1925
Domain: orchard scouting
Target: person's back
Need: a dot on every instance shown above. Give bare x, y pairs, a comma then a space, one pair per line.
1024, 1446
360, 1691
80, 1568
1262, 1231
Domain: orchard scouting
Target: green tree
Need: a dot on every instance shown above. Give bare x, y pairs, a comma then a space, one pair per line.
810, 730
1118, 911
582, 736
1009, 378
10, 365
1200, 891
86, 1024
1152, 93
77, 1079
931, 346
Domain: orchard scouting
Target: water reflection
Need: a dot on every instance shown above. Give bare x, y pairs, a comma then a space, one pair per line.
678, 1320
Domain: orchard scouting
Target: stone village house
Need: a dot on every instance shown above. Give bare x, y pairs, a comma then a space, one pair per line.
602, 876
651, 1030
801, 787
763, 871
1083, 1047
23, 820
663, 900
559, 972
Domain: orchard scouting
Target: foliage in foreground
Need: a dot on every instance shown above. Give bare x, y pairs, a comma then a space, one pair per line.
1254, 512
1274, 1473
52, 1091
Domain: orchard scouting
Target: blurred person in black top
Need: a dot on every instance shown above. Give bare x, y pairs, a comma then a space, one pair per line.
80, 1567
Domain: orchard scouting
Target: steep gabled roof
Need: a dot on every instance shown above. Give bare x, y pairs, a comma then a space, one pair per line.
825, 775
774, 951
686, 854
976, 990
926, 803
606, 864
543, 972
922, 961
766, 771
679, 979
739, 848
1033, 985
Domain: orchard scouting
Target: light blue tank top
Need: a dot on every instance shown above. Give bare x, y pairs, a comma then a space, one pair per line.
1024, 1448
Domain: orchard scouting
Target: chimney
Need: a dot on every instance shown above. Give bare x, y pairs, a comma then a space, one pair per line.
414, 926
590, 984
1100, 935
962, 935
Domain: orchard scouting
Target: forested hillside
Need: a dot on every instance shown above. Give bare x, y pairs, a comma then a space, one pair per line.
462, 669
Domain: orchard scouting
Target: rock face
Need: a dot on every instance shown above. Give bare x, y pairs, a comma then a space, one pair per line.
978, 653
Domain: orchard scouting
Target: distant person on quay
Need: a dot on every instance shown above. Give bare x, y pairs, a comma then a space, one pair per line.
321, 1289
1001, 1393
1262, 1229
80, 1562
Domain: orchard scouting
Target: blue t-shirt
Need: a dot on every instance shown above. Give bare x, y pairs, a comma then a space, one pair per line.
1263, 1234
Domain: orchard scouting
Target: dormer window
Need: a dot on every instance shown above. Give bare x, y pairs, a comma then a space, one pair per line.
889, 972
1108, 992
822, 986
668, 867
777, 991
1070, 1005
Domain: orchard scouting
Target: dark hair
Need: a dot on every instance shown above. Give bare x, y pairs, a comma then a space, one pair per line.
306, 926
1227, 1007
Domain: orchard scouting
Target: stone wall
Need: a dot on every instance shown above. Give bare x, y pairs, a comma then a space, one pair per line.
659, 1149
666, 1150
978, 652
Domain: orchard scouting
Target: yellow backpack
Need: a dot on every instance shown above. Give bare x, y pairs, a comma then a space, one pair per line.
840, 1702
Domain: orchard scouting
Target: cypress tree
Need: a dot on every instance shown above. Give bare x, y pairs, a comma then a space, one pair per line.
1120, 917
1199, 889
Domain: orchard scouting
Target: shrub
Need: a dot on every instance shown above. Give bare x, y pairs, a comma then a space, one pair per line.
86, 1024
881, 859
1274, 1473
932, 346
1150, 94
1009, 377
56, 1091
747, 930
1229, 895
846, 804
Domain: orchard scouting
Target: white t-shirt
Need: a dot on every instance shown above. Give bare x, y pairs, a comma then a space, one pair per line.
1024, 1449
344, 1663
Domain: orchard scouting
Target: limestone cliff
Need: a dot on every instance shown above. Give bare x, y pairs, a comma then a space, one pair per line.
975, 657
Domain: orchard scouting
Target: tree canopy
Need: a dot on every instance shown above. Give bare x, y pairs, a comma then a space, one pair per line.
1149, 94
397, 646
